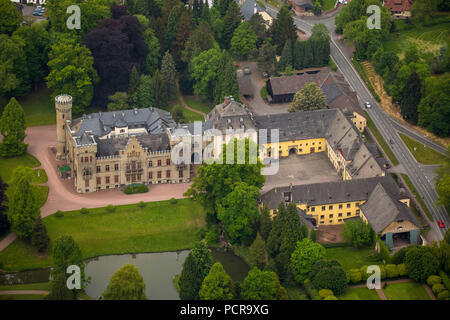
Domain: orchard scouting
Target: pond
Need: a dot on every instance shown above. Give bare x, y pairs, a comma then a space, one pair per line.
157, 269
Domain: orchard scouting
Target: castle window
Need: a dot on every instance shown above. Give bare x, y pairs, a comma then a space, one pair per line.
348, 214
323, 208
340, 215
348, 205
330, 207
150, 163
81, 159
63, 116
99, 181
107, 180
180, 174
150, 175
86, 159
116, 179
107, 168
340, 206
159, 174
313, 209
98, 169
159, 163
139, 177
168, 162
331, 216
322, 217
357, 211
116, 167
91, 158
168, 173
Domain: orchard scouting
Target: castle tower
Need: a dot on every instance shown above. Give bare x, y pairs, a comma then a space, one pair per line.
63, 106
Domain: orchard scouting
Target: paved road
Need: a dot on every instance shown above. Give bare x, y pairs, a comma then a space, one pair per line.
385, 124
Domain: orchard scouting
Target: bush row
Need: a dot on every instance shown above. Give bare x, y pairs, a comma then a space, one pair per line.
135, 188
440, 285
312, 292
388, 271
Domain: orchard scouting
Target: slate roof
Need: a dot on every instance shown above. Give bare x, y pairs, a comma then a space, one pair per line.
332, 192
291, 84
153, 142
99, 124
382, 209
248, 9
231, 115
339, 94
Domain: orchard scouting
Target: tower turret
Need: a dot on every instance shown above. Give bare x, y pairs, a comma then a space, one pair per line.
63, 106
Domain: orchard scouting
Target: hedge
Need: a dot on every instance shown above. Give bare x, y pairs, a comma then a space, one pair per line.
384, 252
391, 271
354, 276
325, 293
402, 270
443, 295
437, 288
135, 188
432, 280
445, 279
310, 290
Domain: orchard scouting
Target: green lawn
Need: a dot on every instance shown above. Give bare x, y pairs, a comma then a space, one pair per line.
422, 154
351, 258
328, 5
359, 294
158, 227
44, 286
38, 107
21, 297
188, 116
416, 194
7, 165
406, 291
198, 104
428, 38
387, 150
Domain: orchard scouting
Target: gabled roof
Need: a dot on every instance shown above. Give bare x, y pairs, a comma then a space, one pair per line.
382, 209
248, 9
151, 142
398, 5
291, 84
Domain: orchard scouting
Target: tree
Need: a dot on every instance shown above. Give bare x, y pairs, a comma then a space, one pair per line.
217, 285
14, 73
195, 268
159, 90
258, 253
36, 50
151, 61
231, 21
259, 28
126, 284
58, 288
184, 30
226, 84
169, 74
40, 238
23, 209
119, 101
329, 275
172, 24
12, 128
4, 223
411, 98
443, 189
266, 57
310, 97
286, 57
133, 86
358, 233
10, 17
262, 285
317, 10
265, 222
243, 41
144, 93
306, 253
205, 68
215, 181
66, 252
421, 263
283, 29
202, 39
421, 11
238, 212
72, 72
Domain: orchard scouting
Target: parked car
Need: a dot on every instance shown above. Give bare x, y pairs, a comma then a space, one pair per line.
441, 224
37, 13
367, 105
391, 141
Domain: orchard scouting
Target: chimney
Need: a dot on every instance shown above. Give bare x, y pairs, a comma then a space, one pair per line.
226, 101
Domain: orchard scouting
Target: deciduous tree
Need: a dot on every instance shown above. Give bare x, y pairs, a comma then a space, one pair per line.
258, 253
306, 253
310, 97
126, 284
12, 128
217, 285
262, 285
10, 17
243, 41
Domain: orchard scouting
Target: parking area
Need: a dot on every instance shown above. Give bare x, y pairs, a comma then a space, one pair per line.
28, 11
304, 169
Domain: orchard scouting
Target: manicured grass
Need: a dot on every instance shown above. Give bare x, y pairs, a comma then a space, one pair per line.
387, 150
359, 294
44, 286
158, 227
21, 297
198, 104
39, 108
188, 116
422, 154
406, 291
351, 258
7, 165
417, 195
328, 5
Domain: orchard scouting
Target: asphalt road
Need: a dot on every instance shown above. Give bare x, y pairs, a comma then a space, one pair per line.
387, 126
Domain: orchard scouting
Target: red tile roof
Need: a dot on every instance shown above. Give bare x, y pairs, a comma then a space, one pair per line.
398, 5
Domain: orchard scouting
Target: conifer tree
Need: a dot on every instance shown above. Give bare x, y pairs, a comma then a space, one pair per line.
265, 222
40, 238
12, 128
411, 98
133, 86
159, 90
169, 75
286, 57
217, 285
231, 21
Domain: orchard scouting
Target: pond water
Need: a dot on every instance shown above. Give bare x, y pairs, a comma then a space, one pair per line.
157, 269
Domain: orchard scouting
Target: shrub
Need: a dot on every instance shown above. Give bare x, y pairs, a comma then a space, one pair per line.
201, 233
212, 236
445, 279
384, 252
402, 270
173, 201
325, 293
135, 188
382, 272
421, 263
313, 235
364, 274
437, 288
142, 204
331, 298
59, 214
329, 275
432, 280
399, 256
391, 271
443, 295
310, 290
354, 275
84, 211
110, 208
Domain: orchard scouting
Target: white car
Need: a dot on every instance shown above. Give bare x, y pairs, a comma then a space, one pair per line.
367, 105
